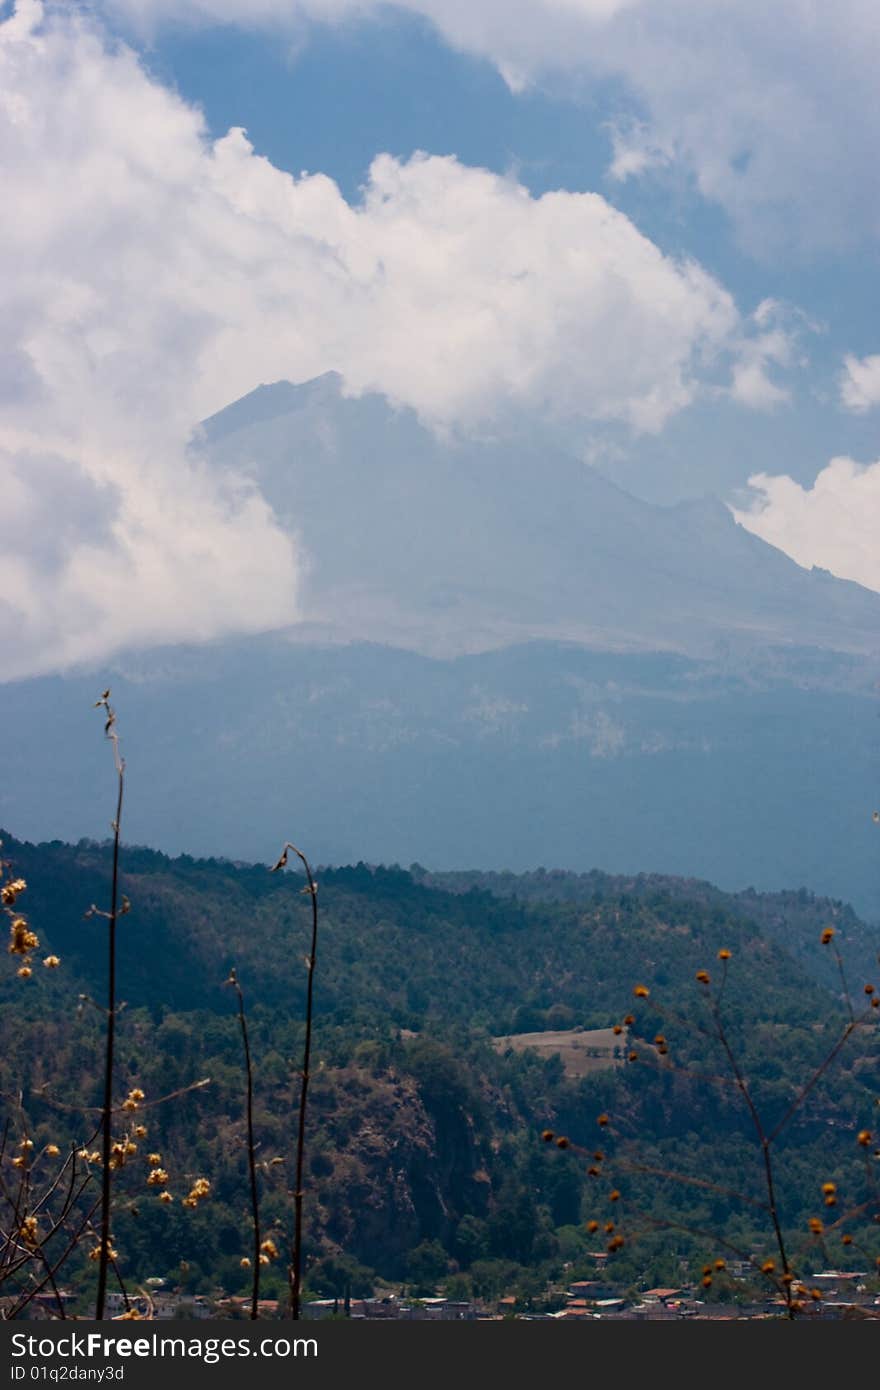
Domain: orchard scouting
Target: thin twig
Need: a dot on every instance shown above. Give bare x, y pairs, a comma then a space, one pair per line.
295, 1269
107, 1108
252, 1162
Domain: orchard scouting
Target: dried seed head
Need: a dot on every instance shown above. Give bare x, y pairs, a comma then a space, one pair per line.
21, 939
30, 1231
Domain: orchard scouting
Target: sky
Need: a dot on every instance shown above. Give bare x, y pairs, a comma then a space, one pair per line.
647, 228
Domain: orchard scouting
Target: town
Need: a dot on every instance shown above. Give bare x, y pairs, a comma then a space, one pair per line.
834, 1294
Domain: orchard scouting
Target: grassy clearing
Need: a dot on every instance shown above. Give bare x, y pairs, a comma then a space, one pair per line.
582, 1050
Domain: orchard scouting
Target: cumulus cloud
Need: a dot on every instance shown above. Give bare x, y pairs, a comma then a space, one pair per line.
112, 532
860, 383
771, 108
159, 275
833, 524
773, 345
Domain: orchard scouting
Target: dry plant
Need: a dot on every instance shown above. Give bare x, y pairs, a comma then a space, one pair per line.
112, 917
782, 1271
42, 1222
23, 940
294, 1273
57, 1204
259, 1254
116, 1152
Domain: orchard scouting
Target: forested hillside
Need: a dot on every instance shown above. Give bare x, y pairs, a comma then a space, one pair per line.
425, 1157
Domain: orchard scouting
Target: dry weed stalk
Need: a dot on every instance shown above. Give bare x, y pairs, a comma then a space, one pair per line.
294, 1272
259, 1254
111, 918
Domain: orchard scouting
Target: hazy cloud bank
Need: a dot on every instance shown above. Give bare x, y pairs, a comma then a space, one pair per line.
158, 275
770, 109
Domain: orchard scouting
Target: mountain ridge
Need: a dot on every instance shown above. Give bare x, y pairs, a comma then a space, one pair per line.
449, 545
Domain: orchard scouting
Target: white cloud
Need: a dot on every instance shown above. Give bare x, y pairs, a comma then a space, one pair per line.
771, 107
112, 534
833, 524
153, 276
636, 150
860, 383
772, 345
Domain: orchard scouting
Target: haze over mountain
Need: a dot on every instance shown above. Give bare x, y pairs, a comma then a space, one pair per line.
445, 545
712, 711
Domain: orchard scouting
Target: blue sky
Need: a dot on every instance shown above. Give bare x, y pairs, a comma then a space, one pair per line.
647, 230
336, 96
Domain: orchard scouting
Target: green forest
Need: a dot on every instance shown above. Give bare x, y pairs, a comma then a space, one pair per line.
426, 1157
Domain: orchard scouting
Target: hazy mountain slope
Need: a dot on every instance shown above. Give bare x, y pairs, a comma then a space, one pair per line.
448, 546
507, 760
716, 716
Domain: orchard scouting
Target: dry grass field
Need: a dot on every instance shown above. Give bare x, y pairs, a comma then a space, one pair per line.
582, 1050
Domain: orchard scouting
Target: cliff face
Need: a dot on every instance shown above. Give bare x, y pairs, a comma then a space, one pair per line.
390, 1166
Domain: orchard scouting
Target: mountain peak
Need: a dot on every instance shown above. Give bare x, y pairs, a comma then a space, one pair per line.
466, 544
269, 401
